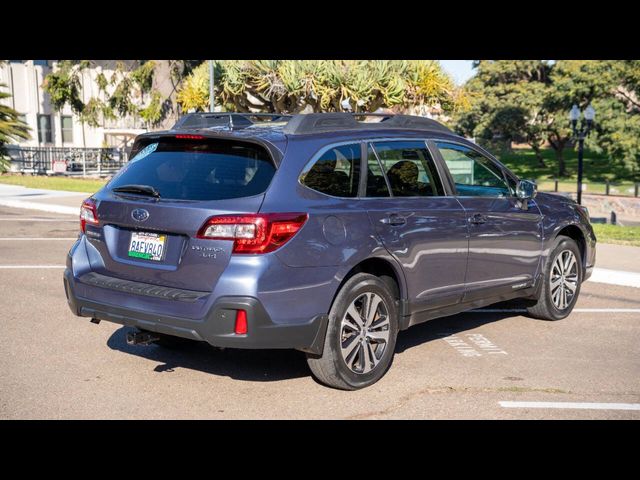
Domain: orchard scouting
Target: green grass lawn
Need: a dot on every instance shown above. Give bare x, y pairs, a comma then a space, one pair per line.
54, 183
597, 170
617, 234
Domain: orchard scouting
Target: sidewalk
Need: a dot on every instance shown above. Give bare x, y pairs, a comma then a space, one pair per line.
53, 201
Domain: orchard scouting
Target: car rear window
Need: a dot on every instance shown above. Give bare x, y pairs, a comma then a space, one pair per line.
209, 169
336, 172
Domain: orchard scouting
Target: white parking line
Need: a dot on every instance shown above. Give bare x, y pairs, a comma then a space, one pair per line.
30, 266
572, 405
26, 219
577, 310
607, 310
9, 239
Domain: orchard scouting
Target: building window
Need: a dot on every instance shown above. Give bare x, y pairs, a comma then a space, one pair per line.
22, 118
67, 129
42, 63
44, 128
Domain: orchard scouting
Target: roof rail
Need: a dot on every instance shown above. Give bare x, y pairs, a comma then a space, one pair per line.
306, 124
331, 122
223, 119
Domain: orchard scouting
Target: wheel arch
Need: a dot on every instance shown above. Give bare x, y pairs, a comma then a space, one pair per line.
574, 232
386, 269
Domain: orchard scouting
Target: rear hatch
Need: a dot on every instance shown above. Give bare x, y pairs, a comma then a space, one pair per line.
150, 213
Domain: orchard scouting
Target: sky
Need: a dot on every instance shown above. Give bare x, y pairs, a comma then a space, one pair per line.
460, 70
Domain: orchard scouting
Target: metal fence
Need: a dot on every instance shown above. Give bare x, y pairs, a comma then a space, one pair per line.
618, 189
63, 160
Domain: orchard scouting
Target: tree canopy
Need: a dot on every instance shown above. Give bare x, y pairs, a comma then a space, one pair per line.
292, 86
529, 100
126, 90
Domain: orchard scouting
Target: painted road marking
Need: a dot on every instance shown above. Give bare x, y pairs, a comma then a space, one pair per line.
572, 405
30, 266
615, 277
473, 346
24, 219
45, 207
8, 239
462, 347
576, 310
607, 310
485, 344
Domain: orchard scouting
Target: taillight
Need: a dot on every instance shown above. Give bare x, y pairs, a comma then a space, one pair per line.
254, 233
88, 214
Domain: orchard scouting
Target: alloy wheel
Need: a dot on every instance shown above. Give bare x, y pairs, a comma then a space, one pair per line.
564, 279
364, 333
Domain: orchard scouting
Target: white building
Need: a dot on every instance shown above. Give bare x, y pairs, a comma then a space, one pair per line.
24, 79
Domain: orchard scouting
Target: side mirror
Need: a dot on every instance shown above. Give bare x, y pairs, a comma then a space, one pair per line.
526, 190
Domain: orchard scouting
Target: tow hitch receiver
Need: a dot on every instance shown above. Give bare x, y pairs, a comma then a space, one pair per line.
141, 338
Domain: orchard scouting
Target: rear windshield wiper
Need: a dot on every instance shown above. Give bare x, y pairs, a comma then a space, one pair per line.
139, 189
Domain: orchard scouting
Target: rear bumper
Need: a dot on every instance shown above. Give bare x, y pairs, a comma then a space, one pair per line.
217, 326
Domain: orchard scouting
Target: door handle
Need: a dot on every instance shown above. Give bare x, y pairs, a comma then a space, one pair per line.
478, 219
394, 220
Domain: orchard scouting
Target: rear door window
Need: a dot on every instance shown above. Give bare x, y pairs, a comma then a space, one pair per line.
376, 183
336, 172
409, 169
203, 170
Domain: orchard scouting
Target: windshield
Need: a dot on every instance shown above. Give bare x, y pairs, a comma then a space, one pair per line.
208, 169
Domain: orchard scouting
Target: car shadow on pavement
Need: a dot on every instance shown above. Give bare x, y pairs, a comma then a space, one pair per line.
442, 327
239, 364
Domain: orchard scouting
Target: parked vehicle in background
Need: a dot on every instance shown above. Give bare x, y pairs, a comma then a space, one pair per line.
321, 233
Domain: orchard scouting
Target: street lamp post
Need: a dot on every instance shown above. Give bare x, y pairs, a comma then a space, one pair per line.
581, 134
212, 99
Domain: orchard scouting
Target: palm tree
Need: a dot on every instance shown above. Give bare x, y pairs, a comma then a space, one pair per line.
11, 127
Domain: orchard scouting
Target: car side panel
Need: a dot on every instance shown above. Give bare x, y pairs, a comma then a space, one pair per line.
558, 213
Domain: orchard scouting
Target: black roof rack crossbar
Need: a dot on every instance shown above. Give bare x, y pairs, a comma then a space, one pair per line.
330, 122
224, 119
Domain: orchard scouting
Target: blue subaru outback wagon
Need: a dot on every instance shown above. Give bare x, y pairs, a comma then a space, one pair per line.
327, 233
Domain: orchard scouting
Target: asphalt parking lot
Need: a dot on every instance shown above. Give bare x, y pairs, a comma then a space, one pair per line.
469, 366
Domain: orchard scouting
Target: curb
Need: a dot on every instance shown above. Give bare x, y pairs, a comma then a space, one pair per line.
615, 277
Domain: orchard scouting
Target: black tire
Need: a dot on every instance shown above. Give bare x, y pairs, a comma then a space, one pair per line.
330, 368
544, 308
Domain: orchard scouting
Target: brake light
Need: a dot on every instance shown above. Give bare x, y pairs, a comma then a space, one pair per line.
88, 214
254, 233
190, 137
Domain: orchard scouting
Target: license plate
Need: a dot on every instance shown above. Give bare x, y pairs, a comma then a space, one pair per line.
148, 246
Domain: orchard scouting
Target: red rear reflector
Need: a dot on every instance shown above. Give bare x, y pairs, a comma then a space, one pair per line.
190, 137
88, 214
241, 322
254, 233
